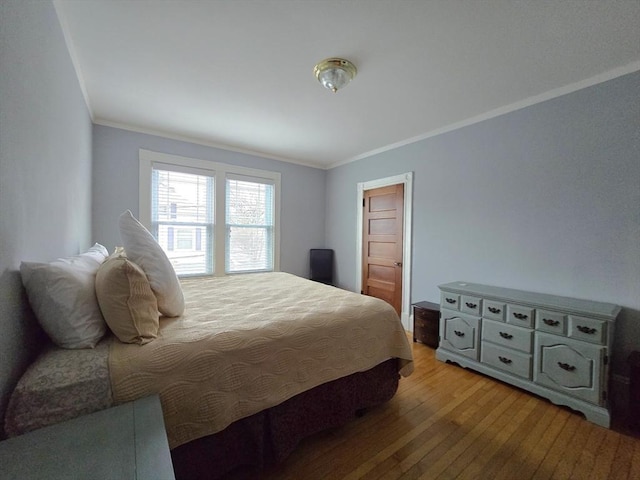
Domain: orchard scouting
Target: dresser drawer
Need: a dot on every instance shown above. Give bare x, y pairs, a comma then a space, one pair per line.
450, 301
588, 329
570, 366
460, 333
493, 310
507, 335
516, 363
519, 315
552, 322
471, 305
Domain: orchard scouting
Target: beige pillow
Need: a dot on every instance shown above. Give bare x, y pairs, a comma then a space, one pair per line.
144, 250
128, 304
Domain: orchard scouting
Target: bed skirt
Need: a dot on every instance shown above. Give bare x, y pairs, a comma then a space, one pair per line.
268, 437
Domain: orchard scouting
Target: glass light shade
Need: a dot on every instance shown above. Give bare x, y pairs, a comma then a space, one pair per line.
334, 73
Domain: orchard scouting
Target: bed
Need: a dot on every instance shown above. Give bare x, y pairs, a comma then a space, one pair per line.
256, 363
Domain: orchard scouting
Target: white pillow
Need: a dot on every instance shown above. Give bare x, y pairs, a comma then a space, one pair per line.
63, 298
145, 251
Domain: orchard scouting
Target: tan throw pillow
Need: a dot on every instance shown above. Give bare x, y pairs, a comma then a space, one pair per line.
143, 249
128, 304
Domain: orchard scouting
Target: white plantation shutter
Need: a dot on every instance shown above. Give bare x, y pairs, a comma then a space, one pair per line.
249, 224
182, 218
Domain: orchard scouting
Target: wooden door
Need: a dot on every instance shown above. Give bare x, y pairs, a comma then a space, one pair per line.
382, 244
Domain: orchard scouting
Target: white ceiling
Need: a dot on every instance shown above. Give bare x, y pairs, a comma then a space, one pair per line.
239, 73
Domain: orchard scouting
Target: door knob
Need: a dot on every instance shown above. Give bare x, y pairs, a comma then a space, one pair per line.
397, 264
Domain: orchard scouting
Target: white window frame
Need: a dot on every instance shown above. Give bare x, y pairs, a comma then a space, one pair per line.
219, 171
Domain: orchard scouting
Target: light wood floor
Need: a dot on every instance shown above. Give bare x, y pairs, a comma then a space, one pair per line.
449, 423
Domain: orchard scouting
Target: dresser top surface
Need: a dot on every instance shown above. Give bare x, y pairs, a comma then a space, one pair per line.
607, 311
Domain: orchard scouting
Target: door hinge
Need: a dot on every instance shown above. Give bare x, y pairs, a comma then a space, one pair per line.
604, 395
363, 202
606, 359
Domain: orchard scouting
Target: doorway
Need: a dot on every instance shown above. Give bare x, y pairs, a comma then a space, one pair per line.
384, 241
382, 229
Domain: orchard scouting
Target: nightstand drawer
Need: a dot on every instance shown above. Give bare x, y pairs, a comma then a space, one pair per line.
425, 324
507, 335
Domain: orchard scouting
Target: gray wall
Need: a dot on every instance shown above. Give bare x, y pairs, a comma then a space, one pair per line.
545, 199
116, 177
45, 167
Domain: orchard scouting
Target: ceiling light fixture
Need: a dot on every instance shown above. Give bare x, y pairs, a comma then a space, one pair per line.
334, 73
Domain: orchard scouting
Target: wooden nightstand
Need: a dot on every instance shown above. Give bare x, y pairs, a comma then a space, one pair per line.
127, 442
426, 321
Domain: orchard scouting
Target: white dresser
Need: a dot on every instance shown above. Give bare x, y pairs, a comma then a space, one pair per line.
556, 347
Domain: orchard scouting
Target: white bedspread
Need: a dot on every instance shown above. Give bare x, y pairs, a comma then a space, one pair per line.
249, 342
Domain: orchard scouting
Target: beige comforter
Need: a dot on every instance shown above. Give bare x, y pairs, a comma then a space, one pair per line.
249, 342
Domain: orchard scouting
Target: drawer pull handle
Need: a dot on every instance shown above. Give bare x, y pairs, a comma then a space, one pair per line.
458, 333
506, 335
587, 330
551, 322
505, 360
566, 366
450, 300
471, 305
520, 316
494, 309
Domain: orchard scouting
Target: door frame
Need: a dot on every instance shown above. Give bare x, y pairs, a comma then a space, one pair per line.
407, 180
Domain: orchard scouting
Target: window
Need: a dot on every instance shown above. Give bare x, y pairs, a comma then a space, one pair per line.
182, 210
249, 219
210, 218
